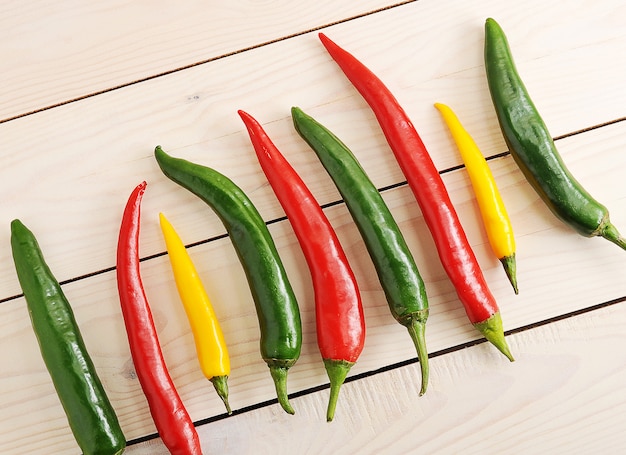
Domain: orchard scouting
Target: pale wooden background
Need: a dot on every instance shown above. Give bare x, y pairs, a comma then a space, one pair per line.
90, 88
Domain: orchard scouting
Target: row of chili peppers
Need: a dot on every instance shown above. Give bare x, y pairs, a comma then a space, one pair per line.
339, 312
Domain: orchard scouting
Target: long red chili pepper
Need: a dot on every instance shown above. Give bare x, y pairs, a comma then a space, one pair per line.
168, 411
339, 316
424, 180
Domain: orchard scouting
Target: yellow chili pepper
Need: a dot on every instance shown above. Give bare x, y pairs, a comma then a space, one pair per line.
210, 345
494, 214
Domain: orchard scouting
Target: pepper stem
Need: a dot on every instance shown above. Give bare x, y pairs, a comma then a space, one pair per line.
491, 329
510, 268
279, 375
221, 386
417, 330
610, 232
337, 371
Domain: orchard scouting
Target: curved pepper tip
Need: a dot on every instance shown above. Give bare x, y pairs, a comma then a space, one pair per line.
279, 375
492, 330
221, 387
16, 224
510, 268
326, 41
337, 371
243, 114
610, 232
416, 325
492, 26
161, 154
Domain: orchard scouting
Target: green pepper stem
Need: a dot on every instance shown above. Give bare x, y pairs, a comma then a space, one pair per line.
417, 330
491, 329
510, 268
221, 386
610, 232
337, 371
279, 375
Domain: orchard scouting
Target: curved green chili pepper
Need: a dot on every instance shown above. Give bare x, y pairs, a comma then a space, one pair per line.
533, 148
87, 407
393, 261
275, 301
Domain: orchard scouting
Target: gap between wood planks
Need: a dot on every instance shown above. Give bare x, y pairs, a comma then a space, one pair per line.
386, 368
209, 60
356, 377
246, 49
324, 206
393, 366
266, 43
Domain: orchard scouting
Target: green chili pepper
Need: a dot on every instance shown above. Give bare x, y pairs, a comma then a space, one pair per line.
533, 148
87, 407
393, 261
275, 301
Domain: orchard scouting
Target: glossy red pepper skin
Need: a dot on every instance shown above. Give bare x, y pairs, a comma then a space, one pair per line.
454, 250
340, 322
397, 271
167, 409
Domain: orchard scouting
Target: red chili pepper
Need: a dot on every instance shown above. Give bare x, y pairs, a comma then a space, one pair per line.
168, 411
339, 316
424, 180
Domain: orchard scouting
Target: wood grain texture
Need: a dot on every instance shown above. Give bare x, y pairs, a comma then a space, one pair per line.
68, 171
67, 50
550, 400
553, 281
99, 149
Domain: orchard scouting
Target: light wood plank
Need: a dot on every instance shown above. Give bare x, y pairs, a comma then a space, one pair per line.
66, 50
69, 170
554, 399
559, 272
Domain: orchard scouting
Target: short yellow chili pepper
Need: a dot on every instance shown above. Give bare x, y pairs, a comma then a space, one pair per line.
210, 344
494, 214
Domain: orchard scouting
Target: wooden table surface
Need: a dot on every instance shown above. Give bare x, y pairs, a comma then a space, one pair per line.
90, 88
